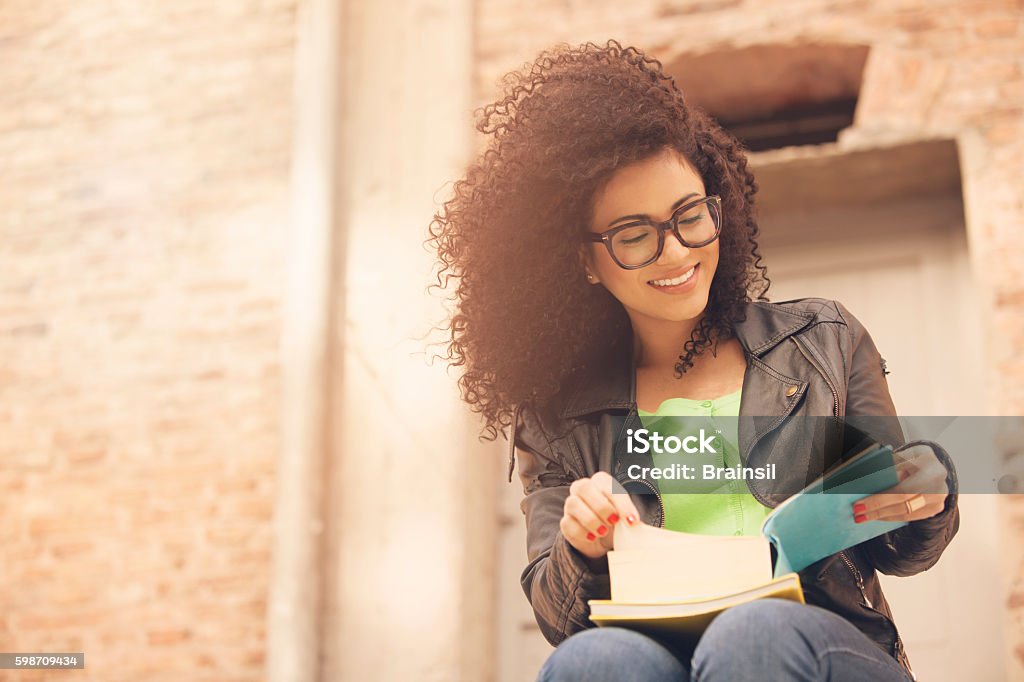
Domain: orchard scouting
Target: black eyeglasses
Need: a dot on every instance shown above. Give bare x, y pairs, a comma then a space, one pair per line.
640, 242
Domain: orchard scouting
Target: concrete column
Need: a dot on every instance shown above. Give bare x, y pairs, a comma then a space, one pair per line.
294, 628
410, 522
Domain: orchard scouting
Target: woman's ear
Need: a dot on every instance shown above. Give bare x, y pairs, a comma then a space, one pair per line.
588, 266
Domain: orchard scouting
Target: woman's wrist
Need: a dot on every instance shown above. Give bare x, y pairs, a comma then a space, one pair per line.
597, 565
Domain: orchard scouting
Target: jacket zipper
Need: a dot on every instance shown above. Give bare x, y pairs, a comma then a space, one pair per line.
661, 502
858, 577
898, 642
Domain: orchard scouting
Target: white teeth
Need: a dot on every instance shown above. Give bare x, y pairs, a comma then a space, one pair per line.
673, 282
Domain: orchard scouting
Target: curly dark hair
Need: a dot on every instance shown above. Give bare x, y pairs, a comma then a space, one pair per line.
526, 320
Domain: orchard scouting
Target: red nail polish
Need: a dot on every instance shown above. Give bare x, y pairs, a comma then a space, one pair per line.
860, 518
602, 531
591, 537
613, 519
859, 507
631, 519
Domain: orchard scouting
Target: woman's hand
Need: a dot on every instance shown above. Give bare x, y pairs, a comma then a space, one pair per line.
920, 494
591, 512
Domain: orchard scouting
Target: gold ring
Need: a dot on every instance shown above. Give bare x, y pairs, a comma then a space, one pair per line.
914, 503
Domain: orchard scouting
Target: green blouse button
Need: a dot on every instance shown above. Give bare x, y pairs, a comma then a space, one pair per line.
706, 403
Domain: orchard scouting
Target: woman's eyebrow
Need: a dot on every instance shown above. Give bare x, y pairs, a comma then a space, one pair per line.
644, 216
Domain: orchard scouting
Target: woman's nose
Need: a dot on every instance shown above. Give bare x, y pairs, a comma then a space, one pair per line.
674, 249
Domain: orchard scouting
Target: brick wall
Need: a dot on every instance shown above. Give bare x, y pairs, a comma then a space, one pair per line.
143, 174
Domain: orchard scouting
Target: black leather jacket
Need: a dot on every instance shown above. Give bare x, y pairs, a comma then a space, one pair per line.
804, 357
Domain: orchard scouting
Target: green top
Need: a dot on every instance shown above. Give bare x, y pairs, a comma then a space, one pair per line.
715, 507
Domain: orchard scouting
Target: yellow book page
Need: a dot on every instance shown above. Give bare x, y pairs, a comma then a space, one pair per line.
687, 618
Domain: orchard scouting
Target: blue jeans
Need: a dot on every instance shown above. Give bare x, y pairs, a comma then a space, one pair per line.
768, 639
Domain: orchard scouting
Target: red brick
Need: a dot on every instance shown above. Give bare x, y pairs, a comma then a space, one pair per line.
171, 636
1004, 27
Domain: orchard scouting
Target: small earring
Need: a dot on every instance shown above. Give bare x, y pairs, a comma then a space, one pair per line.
590, 278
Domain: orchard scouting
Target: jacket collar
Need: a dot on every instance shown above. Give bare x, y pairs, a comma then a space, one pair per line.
612, 387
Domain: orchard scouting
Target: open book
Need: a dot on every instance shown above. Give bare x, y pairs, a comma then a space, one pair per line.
666, 581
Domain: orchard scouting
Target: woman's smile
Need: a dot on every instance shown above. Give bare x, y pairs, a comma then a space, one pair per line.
677, 284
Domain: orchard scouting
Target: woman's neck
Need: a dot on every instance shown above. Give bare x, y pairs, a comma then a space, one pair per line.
658, 343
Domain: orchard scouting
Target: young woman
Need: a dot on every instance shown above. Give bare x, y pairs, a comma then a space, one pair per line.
605, 254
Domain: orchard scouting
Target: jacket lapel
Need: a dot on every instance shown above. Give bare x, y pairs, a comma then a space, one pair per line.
768, 398
766, 324
611, 386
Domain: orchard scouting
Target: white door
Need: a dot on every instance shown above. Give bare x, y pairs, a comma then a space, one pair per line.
912, 290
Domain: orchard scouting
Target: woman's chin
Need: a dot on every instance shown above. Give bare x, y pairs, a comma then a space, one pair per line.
677, 313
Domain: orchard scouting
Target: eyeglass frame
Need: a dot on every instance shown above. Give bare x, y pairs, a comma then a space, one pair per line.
671, 224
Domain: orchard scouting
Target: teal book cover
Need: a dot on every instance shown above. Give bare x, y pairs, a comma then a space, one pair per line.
818, 521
